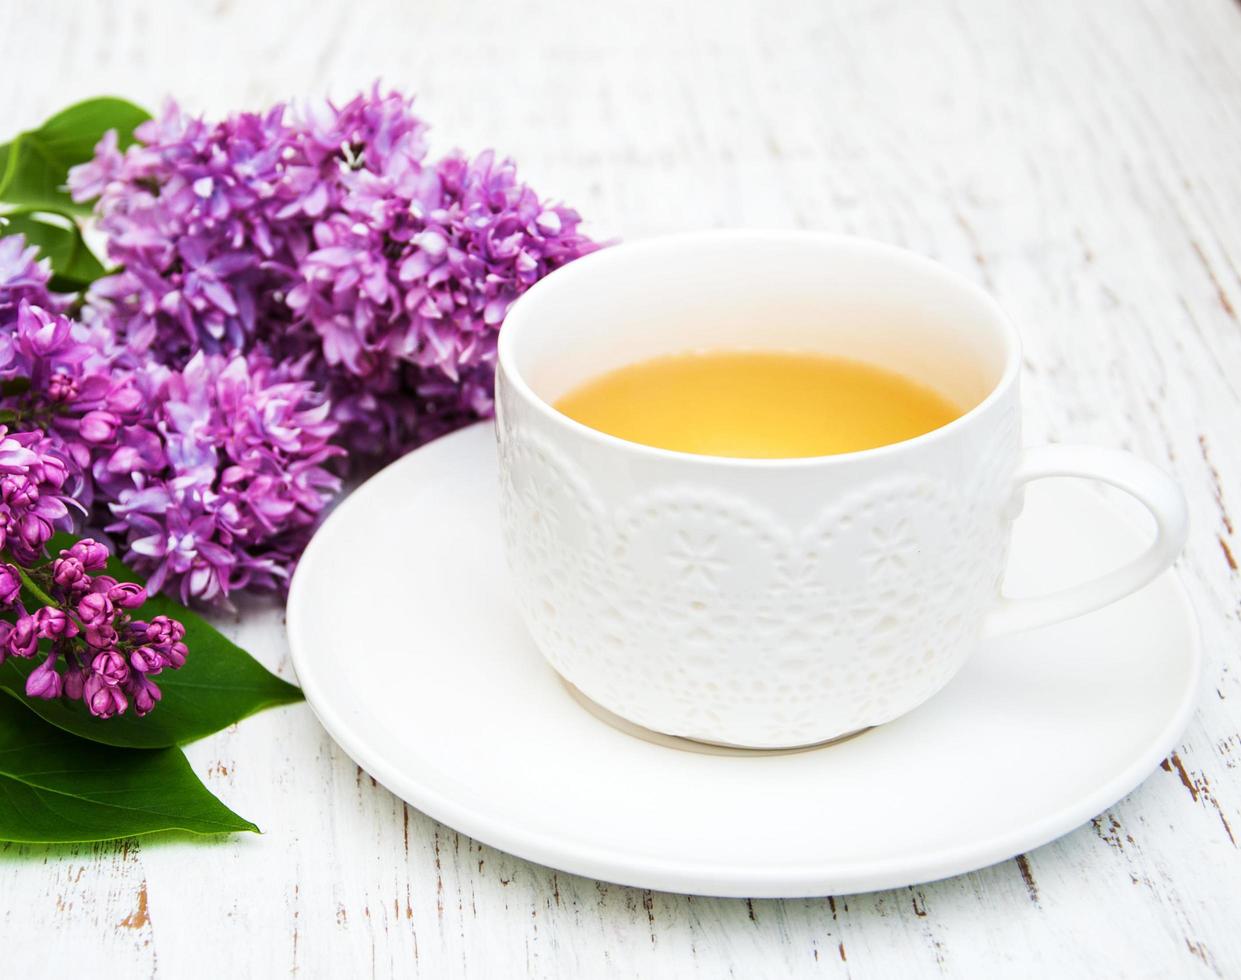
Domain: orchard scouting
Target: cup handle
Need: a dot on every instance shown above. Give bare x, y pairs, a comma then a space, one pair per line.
1142, 480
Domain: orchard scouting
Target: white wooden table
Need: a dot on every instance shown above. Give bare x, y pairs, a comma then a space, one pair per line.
1082, 161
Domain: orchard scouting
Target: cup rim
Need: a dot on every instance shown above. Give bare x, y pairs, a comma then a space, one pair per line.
520, 312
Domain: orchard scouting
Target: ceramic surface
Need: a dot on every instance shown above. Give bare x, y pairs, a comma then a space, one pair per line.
458, 713
771, 603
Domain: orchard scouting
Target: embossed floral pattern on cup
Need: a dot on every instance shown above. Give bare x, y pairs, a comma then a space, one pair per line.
696, 601
778, 602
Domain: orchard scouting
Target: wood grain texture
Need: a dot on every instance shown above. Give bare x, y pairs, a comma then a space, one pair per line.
1081, 161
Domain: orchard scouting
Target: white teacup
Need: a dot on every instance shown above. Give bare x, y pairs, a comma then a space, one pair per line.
773, 603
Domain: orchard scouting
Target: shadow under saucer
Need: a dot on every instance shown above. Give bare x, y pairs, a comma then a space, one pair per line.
693, 744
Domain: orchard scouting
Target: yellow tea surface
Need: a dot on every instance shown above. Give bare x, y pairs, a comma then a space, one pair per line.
758, 404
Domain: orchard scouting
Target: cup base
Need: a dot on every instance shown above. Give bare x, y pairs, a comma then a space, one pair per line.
701, 746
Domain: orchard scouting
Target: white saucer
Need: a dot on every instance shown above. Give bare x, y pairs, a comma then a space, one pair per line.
410, 652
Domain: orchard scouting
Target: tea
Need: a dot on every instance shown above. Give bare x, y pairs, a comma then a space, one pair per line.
758, 404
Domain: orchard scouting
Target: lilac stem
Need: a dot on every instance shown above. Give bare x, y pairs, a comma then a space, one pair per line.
30, 584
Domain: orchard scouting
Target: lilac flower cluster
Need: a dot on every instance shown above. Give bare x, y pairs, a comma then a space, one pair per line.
63, 379
96, 651
210, 477
294, 288
22, 277
32, 502
243, 480
324, 238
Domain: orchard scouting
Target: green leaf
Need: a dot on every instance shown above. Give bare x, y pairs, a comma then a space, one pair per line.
219, 684
57, 788
35, 165
58, 237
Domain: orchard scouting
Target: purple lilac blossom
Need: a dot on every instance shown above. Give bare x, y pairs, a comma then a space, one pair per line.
85, 400
33, 506
98, 652
23, 278
322, 235
108, 656
246, 481
292, 284
212, 477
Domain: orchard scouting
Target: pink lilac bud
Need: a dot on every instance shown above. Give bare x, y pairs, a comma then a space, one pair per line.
90, 553
24, 637
55, 474
5, 630
18, 490
45, 332
111, 666
145, 660
10, 585
75, 682
44, 682
125, 398
176, 654
95, 609
103, 584
145, 694
62, 387
53, 622
103, 700
33, 532
127, 595
157, 632
97, 427
68, 572
101, 636
160, 643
